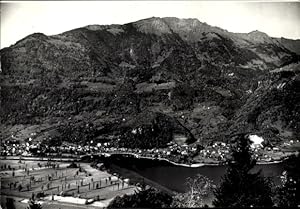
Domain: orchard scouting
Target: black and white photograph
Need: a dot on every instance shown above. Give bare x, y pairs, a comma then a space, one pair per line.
149, 104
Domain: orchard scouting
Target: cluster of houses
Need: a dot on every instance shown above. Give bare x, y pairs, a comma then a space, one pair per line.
218, 151
14, 147
30, 148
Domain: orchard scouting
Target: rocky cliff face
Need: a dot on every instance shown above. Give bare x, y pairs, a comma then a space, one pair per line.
207, 79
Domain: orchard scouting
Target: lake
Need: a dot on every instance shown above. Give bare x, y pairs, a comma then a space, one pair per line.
174, 177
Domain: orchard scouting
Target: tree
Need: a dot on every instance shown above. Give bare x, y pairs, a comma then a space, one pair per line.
288, 194
10, 203
149, 198
73, 165
198, 188
20, 187
240, 187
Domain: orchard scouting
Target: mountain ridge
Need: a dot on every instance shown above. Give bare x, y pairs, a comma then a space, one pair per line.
101, 27
202, 80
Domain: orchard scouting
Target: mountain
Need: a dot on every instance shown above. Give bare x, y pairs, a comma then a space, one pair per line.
292, 45
199, 82
273, 109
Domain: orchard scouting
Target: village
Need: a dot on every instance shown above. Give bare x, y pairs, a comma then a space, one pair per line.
214, 153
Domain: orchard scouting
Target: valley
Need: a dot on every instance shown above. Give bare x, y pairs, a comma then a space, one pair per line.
158, 90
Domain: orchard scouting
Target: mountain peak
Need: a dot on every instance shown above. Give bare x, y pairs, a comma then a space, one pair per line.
37, 35
258, 36
165, 25
154, 25
95, 27
184, 23
34, 36
258, 33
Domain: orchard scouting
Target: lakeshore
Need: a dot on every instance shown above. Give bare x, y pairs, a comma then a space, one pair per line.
193, 165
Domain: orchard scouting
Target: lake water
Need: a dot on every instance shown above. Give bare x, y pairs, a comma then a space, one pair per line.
174, 177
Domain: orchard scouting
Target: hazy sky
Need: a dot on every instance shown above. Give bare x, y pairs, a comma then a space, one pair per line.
19, 19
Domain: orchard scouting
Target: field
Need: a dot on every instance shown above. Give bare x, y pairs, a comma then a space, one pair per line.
59, 183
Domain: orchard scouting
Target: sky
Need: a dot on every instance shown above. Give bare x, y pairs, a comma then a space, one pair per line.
19, 19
